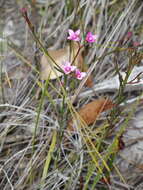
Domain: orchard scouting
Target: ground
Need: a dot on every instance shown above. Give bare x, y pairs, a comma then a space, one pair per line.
40, 148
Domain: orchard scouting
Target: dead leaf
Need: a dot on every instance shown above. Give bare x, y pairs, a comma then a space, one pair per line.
59, 57
140, 166
89, 82
91, 111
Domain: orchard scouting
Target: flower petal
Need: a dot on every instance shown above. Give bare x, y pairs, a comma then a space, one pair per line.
73, 68
77, 72
77, 39
89, 34
83, 74
67, 63
77, 32
95, 36
69, 38
71, 32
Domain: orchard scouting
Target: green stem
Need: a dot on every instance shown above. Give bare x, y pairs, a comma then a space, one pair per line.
36, 125
1, 83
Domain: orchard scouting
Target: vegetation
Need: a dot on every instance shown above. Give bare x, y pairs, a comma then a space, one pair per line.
71, 92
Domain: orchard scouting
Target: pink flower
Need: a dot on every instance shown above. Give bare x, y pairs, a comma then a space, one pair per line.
90, 37
68, 68
79, 75
74, 35
23, 10
136, 44
129, 35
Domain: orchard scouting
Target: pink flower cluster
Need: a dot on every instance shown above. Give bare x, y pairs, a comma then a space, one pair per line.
68, 68
75, 36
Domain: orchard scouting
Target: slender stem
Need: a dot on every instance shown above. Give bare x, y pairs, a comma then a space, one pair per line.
1, 83
80, 47
131, 81
31, 27
36, 125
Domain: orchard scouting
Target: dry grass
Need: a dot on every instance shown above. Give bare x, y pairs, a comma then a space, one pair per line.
42, 158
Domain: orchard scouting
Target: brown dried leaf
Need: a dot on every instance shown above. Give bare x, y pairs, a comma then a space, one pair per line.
89, 82
140, 166
91, 111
